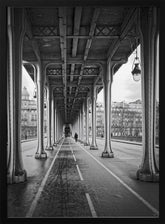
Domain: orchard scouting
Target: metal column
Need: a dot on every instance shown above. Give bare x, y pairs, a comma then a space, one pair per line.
81, 124
40, 113
94, 98
107, 79
16, 31
86, 107
49, 96
54, 122
149, 36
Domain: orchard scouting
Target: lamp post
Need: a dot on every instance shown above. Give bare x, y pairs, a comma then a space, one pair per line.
136, 71
35, 93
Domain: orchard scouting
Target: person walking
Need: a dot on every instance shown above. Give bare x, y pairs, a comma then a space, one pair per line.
75, 137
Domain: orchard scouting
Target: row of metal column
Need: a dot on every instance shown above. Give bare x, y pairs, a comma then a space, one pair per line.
149, 39
81, 123
15, 169
54, 120
148, 31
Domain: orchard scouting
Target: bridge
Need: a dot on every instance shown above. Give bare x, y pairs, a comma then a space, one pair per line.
72, 53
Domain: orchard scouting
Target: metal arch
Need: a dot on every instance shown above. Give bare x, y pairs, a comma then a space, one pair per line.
34, 67
114, 63
51, 63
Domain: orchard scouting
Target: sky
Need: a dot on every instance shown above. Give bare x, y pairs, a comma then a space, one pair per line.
27, 82
124, 88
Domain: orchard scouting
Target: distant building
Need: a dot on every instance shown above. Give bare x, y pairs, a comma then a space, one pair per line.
126, 120
99, 120
29, 116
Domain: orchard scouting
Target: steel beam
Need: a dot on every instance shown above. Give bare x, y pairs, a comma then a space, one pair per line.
125, 27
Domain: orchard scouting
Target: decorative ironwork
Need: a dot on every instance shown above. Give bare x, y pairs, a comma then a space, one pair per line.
105, 30
54, 71
45, 31
58, 89
83, 89
91, 71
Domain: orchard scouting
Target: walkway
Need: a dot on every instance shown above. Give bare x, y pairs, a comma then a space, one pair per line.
76, 182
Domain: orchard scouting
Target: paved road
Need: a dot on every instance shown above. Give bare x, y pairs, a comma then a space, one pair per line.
128, 152
76, 182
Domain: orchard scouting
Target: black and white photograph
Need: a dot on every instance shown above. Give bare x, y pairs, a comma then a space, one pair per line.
81, 110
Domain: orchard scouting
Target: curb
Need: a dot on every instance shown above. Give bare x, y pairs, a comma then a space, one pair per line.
28, 140
128, 142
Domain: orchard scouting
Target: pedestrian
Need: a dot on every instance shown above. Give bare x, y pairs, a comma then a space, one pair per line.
75, 137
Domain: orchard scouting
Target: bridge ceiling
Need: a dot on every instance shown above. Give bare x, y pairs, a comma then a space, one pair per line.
72, 42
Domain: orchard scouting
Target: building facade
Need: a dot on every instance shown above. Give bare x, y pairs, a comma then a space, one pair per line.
29, 116
126, 122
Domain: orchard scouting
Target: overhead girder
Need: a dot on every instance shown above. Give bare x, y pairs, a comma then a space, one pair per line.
74, 45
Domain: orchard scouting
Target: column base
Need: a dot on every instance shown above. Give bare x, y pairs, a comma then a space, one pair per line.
42, 155
86, 144
147, 177
49, 148
92, 147
107, 155
17, 177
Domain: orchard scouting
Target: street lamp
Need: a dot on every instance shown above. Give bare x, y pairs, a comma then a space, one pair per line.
35, 93
136, 71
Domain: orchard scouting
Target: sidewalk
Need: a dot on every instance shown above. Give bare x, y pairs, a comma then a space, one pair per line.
20, 196
30, 139
125, 141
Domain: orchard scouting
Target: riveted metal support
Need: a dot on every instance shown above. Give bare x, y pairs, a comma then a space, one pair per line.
81, 124
49, 96
107, 80
79, 127
86, 107
148, 170
40, 154
16, 30
54, 111
94, 98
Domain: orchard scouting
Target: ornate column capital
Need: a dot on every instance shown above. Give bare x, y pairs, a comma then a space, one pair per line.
107, 72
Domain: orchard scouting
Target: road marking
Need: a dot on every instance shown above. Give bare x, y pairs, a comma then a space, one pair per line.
92, 209
34, 203
74, 157
125, 185
81, 178
72, 152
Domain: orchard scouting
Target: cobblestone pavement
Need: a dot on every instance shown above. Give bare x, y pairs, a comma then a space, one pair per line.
64, 194
74, 182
